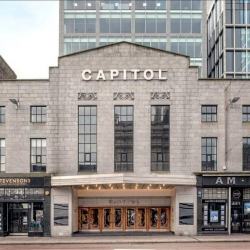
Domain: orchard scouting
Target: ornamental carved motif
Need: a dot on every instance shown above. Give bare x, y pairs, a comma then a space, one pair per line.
87, 96
160, 95
124, 96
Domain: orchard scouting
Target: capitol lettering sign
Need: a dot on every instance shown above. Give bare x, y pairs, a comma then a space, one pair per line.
124, 202
132, 74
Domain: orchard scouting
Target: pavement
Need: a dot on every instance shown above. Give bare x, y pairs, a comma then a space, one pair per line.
24, 240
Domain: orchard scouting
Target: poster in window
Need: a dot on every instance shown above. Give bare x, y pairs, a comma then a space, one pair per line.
214, 216
246, 208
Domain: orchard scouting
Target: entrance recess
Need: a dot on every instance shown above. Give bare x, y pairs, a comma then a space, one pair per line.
18, 218
124, 218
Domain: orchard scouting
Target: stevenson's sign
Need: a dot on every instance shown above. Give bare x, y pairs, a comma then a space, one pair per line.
132, 74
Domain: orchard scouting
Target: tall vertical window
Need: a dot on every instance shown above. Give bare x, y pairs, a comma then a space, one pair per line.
87, 141
38, 114
124, 117
2, 114
209, 154
2, 155
38, 155
246, 153
160, 138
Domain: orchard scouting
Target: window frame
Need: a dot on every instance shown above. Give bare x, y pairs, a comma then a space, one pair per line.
247, 114
211, 154
248, 155
87, 154
2, 116
2, 155
209, 113
36, 115
38, 155
167, 160
122, 169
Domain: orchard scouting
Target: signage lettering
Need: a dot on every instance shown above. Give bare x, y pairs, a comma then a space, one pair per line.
15, 181
147, 74
219, 181
124, 202
230, 180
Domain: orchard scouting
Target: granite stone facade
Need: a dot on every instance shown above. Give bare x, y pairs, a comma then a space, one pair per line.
183, 92
5, 71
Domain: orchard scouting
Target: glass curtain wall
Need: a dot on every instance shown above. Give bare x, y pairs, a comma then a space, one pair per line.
87, 23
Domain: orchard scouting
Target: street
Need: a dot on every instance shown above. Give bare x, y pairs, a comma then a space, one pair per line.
159, 246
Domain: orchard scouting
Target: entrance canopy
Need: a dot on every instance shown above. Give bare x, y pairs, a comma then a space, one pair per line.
121, 180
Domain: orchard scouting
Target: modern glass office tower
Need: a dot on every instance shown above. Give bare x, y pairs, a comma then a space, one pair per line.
229, 39
176, 25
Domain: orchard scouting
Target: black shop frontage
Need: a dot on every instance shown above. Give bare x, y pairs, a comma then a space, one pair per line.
223, 204
25, 206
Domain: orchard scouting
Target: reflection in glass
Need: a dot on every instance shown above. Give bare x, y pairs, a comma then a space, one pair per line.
153, 217
94, 218
130, 217
106, 217
118, 217
141, 217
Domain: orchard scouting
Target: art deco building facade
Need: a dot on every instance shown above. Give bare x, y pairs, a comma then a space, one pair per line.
177, 25
124, 137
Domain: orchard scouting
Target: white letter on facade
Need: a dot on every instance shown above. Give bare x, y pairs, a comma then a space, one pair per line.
161, 77
113, 73
100, 75
84, 77
135, 71
145, 74
124, 74
219, 181
230, 180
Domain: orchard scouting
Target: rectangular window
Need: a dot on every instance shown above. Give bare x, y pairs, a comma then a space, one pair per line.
246, 153
87, 141
2, 155
124, 117
209, 113
38, 114
38, 155
2, 114
246, 113
209, 154
160, 138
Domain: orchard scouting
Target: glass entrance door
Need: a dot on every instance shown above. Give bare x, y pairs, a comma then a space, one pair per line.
159, 218
236, 219
18, 221
88, 218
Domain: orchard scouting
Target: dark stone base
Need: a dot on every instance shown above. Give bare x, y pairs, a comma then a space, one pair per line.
35, 234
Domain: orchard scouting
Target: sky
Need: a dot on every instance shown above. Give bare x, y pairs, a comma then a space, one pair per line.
29, 36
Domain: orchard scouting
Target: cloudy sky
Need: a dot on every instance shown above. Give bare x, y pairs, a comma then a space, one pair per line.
29, 33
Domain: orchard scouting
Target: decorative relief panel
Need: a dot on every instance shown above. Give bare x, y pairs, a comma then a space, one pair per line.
87, 96
160, 95
124, 96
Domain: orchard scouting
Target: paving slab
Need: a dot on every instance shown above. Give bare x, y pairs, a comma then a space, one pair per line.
21, 240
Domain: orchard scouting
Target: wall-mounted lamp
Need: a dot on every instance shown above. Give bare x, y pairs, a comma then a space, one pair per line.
16, 102
232, 102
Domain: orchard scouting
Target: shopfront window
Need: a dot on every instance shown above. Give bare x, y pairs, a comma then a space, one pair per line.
214, 209
36, 217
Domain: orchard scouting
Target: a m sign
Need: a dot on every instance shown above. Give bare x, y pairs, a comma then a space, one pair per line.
229, 180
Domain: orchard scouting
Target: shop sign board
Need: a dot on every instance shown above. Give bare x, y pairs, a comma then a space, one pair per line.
22, 182
226, 181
